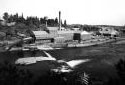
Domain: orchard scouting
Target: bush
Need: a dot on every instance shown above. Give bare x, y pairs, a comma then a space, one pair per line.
73, 78
11, 75
120, 67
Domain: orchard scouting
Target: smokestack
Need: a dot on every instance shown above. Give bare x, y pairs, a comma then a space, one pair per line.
59, 20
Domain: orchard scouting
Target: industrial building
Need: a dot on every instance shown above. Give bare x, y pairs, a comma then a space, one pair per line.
59, 35
108, 31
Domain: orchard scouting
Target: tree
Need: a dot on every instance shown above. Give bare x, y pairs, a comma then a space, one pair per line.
56, 21
51, 22
10, 19
6, 16
21, 19
65, 24
15, 17
42, 21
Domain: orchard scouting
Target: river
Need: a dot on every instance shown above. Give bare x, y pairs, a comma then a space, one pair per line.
103, 58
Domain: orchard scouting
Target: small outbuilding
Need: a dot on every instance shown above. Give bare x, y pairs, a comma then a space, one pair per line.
85, 35
108, 31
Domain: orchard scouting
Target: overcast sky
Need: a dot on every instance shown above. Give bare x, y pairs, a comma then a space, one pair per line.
108, 12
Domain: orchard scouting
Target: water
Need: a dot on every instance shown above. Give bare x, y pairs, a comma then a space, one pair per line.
103, 58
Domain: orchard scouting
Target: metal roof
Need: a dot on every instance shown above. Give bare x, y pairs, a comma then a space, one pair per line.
52, 28
38, 33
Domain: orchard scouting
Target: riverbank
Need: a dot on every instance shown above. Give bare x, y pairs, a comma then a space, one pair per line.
69, 44
101, 67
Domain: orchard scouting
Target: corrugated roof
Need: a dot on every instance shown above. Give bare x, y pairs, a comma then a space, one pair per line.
84, 32
72, 31
38, 33
52, 28
64, 32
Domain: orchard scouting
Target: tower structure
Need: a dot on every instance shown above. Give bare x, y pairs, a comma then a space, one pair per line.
59, 20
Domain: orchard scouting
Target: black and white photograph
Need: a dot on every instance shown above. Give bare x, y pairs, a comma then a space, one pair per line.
62, 42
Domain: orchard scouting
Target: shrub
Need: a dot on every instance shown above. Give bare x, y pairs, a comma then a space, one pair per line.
11, 75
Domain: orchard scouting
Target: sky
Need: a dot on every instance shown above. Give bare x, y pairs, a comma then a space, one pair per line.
92, 12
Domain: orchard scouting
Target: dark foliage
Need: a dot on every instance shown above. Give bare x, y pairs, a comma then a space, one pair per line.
6, 16
29, 21
53, 79
73, 78
11, 75
90, 28
120, 67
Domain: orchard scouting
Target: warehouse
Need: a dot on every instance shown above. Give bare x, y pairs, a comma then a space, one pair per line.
68, 35
60, 36
42, 37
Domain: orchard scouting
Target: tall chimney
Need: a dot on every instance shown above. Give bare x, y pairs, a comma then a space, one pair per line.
59, 20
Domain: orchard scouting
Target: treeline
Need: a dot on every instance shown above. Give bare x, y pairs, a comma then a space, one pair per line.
8, 30
84, 27
31, 20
